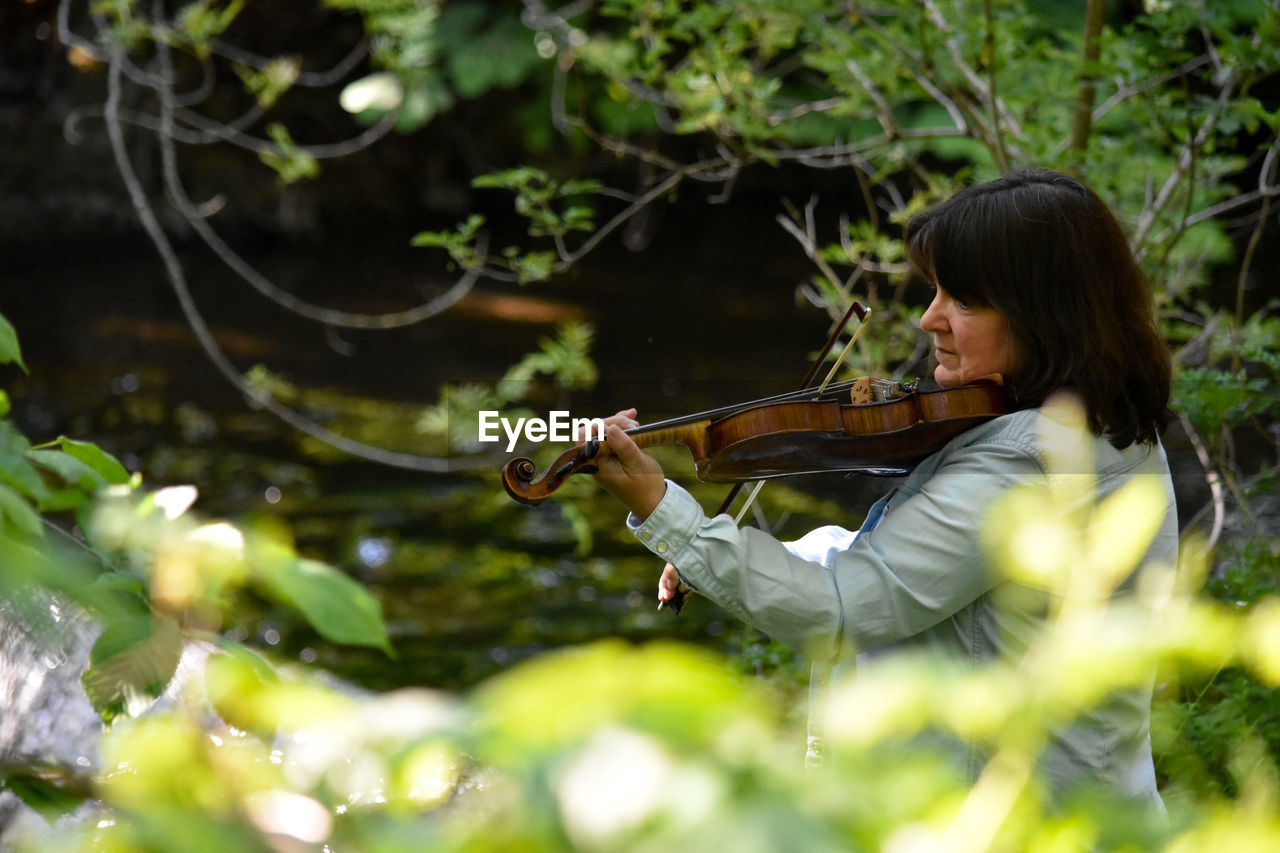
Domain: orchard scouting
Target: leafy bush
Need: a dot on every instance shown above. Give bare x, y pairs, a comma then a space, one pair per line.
606, 746
612, 747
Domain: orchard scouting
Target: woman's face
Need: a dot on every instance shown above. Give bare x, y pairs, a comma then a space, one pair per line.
969, 343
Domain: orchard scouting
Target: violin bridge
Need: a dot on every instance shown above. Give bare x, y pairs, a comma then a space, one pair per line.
870, 389
862, 391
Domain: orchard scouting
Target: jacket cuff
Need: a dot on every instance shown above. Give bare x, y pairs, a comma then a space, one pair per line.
671, 526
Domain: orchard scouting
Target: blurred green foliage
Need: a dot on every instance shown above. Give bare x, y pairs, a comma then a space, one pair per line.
611, 746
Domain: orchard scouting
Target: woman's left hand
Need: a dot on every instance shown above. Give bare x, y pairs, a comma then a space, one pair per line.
627, 472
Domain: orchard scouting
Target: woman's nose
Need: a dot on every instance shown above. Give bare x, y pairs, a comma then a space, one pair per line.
931, 319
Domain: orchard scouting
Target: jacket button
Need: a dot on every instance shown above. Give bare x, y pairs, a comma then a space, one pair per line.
662, 547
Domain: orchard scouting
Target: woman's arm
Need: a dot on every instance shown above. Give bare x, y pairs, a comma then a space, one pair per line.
920, 563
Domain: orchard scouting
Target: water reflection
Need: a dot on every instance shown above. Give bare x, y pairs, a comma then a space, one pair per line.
374, 551
469, 582
46, 720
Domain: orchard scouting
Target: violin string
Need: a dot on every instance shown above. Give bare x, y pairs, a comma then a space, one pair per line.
855, 307
826, 383
802, 393
830, 392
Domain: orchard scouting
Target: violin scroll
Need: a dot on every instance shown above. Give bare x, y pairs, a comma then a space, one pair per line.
518, 474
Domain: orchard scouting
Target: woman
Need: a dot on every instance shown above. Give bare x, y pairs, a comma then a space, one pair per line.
1035, 286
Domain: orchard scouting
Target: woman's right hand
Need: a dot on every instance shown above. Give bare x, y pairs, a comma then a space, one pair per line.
668, 584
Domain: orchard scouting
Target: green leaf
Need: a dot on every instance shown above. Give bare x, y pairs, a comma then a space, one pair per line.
15, 468
62, 500
118, 594
482, 50
289, 161
96, 458
70, 469
9, 350
26, 567
1214, 398
270, 83
19, 513
337, 606
236, 681
459, 244
132, 663
51, 793
202, 24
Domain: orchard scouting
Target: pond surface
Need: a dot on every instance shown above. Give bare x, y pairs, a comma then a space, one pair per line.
470, 582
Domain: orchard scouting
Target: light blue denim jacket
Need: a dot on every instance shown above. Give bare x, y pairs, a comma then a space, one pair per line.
915, 575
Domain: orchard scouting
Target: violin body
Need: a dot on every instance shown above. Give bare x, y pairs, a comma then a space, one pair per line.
885, 439
778, 439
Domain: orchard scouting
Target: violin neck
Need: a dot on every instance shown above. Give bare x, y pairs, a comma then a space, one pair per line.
692, 434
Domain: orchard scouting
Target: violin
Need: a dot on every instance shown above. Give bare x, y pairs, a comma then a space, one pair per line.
882, 429
867, 426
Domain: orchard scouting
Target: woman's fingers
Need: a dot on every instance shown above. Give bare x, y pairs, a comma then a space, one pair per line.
626, 419
628, 473
668, 583
624, 447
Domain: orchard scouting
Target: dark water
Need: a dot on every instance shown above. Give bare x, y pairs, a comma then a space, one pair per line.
470, 582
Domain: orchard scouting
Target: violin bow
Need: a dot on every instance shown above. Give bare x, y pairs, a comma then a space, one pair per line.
840, 359
677, 601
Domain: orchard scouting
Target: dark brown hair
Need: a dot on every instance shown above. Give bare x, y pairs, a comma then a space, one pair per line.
1047, 252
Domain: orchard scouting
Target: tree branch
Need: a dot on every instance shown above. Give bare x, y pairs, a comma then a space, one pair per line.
1153, 208
993, 100
1082, 121
1268, 175
1212, 478
177, 279
309, 79
1000, 111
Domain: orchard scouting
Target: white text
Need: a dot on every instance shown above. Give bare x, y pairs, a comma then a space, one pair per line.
559, 427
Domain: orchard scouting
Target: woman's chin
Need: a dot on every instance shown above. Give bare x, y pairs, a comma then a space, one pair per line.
946, 378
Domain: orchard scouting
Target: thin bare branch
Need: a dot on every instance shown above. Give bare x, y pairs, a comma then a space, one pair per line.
1082, 121
993, 99
807, 237
884, 113
69, 37
937, 94
1124, 91
330, 317
819, 106
177, 279
1268, 175
1212, 478
972, 77
1153, 208
308, 79
220, 131
655, 192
